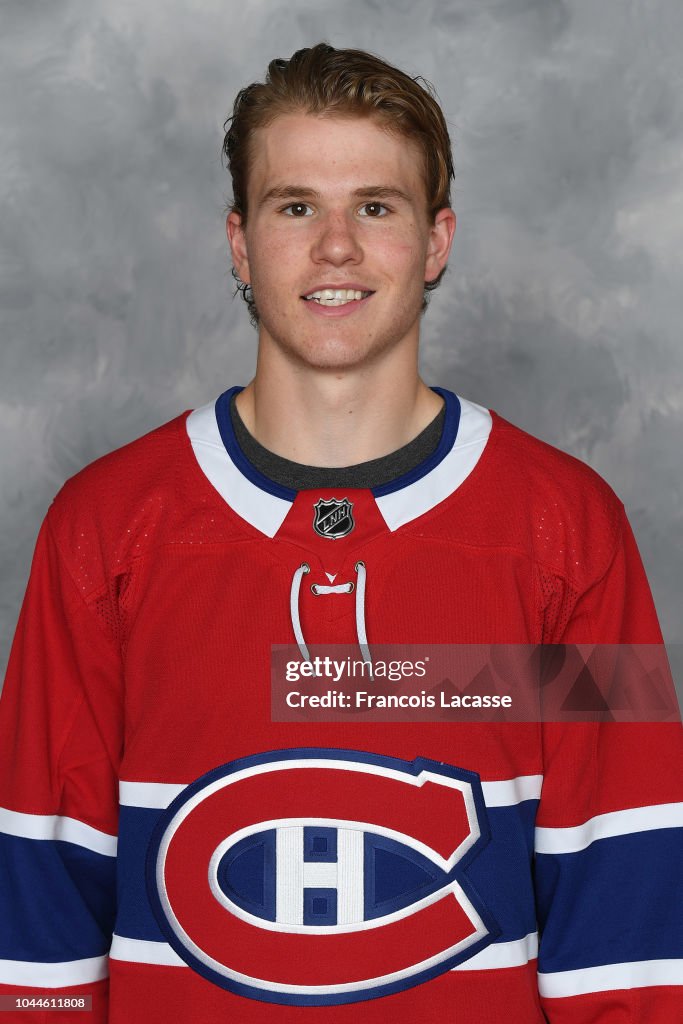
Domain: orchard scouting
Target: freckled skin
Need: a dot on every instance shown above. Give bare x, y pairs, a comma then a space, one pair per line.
391, 250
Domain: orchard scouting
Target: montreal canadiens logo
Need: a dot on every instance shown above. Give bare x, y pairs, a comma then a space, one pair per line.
333, 518
317, 877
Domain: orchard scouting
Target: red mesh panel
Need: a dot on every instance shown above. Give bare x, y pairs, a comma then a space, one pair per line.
111, 608
558, 599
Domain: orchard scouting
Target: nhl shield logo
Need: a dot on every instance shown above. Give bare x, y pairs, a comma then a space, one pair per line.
333, 518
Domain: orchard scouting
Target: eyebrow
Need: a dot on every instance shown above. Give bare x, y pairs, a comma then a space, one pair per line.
279, 192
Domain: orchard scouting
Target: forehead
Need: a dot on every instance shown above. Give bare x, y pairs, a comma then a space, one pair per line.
333, 153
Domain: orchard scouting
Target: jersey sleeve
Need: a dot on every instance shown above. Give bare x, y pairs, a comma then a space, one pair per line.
60, 742
609, 837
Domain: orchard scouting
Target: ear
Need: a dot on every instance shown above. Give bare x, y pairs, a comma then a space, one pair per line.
238, 245
440, 241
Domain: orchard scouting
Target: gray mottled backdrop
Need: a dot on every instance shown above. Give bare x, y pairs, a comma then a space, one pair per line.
562, 307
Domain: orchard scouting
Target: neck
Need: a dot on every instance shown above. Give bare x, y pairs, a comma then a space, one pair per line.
339, 417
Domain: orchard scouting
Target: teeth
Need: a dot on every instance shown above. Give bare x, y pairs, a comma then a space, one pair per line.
336, 296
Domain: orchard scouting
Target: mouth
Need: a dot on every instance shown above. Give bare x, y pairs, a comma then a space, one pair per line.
336, 296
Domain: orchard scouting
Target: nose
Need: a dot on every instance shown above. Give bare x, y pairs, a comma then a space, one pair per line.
337, 241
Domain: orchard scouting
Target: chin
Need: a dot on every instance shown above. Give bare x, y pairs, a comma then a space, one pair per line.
349, 352
339, 357
329, 354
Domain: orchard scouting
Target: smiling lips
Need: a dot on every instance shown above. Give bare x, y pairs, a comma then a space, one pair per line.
336, 296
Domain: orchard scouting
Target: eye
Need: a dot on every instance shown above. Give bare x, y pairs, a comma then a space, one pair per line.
373, 210
298, 210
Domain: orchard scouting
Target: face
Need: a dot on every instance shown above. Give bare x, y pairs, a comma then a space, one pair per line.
338, 243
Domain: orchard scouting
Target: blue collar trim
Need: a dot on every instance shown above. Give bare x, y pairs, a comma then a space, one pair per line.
237, 455
448, 437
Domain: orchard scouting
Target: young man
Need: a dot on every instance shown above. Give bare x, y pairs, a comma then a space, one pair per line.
277, 871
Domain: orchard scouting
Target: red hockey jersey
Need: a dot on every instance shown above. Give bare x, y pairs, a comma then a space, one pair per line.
169, 850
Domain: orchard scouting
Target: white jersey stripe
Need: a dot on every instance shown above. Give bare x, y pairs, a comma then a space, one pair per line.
144, 951
155, 795
55, 827
503, 954
498, 956
53, 975
501, 793
604, 826
641, 974
508, 792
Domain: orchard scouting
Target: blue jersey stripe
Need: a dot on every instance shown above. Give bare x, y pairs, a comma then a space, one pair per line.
135, 918
612, 902
501, 874
56, 900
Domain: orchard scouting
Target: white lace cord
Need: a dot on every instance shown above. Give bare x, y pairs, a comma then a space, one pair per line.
360, 615
294, 609
340, 588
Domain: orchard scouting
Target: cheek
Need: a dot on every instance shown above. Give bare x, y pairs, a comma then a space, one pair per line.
266, 249
270, 267
405, 250
410, 258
